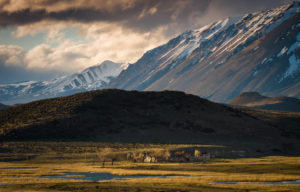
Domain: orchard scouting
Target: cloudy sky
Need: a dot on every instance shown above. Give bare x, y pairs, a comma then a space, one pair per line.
42, 39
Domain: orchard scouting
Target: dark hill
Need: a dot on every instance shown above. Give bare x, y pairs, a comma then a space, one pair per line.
255, 100
131, 116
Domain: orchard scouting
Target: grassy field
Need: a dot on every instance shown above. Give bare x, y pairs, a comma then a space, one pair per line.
22, 163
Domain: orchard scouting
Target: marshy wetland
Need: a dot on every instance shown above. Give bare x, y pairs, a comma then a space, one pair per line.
78, 166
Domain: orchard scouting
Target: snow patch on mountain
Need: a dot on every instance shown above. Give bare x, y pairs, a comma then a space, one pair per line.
192, 40
294, 66
298, 37
295, 45
255, 73
282, 52
290, 10
266, 60
252, 26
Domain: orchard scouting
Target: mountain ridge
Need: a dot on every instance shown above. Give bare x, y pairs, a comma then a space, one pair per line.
221, 60
257, 101
94, 77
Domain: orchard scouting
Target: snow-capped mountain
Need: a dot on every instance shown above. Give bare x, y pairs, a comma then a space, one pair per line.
257, 52
95, 77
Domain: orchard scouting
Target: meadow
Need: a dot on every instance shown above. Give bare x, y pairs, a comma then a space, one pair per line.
24, 164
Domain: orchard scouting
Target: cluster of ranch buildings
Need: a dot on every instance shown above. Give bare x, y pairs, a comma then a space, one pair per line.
175, 156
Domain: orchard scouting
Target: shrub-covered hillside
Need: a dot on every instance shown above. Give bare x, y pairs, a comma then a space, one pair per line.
131, 116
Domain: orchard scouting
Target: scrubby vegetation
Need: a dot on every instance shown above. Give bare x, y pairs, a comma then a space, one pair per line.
153, 117
104, 152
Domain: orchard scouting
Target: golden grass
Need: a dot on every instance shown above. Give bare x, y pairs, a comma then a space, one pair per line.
24, 175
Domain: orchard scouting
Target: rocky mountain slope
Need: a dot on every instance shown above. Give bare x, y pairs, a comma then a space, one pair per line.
163, 117
258, 52
95, 77
255, 100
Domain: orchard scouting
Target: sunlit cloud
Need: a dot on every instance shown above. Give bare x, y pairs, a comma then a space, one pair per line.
11, 55
105, 41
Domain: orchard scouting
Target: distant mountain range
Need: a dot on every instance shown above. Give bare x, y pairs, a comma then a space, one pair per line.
92, 78
255, 100
258, 52
162, 117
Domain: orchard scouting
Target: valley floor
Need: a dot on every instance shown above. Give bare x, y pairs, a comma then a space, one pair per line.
24, 165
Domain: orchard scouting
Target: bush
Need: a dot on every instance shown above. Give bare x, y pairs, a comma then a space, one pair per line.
108, 154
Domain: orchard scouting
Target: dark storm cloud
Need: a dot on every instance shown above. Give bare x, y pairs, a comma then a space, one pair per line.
21, 17
139, 14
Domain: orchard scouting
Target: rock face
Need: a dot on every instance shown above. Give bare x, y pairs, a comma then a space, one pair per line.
255, 100
258, 52
95, 77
